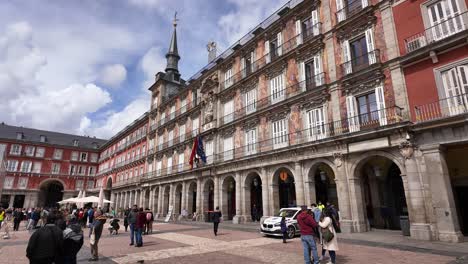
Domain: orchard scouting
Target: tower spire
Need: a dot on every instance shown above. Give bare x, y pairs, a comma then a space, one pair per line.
172, 55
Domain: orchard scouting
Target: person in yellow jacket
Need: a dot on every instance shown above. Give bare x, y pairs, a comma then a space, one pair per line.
321, 206
2, 216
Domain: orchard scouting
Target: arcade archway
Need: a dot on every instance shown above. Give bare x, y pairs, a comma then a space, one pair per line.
208, 196
192, 198
284, 189
229, 197
178, 199
253, 196
108, 194
51, 192
322, 184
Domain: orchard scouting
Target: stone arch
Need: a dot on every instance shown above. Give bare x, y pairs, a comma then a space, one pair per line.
312, 164
283, 191
382, 194
165, 199
51, 192
191, 188
252, 195
228, 196
208, 195
178, 198
155, 199
320, 182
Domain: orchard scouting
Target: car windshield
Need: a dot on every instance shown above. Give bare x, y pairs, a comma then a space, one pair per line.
288, 212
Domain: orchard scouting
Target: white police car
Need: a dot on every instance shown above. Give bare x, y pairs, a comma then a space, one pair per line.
272, 225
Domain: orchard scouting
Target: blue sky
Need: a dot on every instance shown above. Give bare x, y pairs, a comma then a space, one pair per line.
84, 66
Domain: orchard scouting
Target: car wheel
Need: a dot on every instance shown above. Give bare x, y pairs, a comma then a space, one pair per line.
291, 232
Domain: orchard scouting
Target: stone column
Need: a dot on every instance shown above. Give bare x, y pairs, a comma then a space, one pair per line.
299, 182
343, 194
199, 200
419, 226
184, 196
442, 194
160, 201
171, 196
12, 200
125, 197
238, 218
216, 192
359, 221
131, 198
265, 193
309, 189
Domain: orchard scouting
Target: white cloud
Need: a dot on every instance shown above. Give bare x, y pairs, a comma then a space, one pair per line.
116, 121
151, 63
113, 75
26, 100
147, 3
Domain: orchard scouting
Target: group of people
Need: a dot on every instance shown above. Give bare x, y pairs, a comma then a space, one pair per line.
140, 222
319, 225
12, 218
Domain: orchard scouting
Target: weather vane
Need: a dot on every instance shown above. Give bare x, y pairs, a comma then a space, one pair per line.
175, 19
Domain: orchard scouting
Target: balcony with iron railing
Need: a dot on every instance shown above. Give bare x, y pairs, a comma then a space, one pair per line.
442, 108
284, 48
290, 91
438, 33
179, 111
316, 134
360, 63
350, 9
178, 140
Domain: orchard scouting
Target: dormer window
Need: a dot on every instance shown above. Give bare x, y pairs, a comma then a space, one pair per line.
76, 142
43, 138
19, 135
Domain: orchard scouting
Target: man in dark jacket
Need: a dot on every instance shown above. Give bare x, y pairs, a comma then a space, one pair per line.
307, 225
139, 227
46, 244
18, 216
132, 218
216, 219
72, 242
95, 234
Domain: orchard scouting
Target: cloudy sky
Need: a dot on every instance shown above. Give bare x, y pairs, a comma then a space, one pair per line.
84, 66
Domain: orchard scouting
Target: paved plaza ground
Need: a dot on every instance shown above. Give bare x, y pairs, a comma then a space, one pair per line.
195, 243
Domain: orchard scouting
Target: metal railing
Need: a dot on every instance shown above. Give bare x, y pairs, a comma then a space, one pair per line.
290, 91
325, 131
179, 111
350, 9
438, 32
284, 48
361, 62
442, 108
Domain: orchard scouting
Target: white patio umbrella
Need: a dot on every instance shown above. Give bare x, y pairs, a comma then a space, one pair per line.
92, 199
69, 200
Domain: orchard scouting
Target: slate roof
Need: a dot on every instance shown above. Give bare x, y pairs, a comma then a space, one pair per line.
54, 138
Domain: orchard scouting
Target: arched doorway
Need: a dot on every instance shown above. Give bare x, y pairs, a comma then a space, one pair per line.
208, 196
51, 192
178, 199
284, 188
383, 193
229, 197
253, 196
166, 194
322, 180
147, 199
192, 198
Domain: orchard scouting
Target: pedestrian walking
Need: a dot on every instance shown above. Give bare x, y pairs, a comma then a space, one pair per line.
307, 224
284, 228
6, 225
95, 234
17, 218
132, 218
72, 241
46, 244
216, 220
2, 216
329, 238
90, 215
127, 211
149, 221
140, 226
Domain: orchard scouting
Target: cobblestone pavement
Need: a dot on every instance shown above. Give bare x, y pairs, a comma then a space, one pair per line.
184, 244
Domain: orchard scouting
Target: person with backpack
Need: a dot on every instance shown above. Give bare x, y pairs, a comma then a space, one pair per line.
46, 244
330, 240
72, 241
307, 224
149, 221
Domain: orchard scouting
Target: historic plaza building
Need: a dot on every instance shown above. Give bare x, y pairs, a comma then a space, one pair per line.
358, 103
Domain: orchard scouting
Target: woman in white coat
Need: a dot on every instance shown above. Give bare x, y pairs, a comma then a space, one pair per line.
332, 245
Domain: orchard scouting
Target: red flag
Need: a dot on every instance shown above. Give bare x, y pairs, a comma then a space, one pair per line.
194, 151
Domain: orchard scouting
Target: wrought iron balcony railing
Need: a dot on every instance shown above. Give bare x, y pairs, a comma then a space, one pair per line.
443, 108
436, 33
362, 62
350, 9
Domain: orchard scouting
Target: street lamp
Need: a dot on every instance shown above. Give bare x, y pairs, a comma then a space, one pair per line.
377, 171
323, 176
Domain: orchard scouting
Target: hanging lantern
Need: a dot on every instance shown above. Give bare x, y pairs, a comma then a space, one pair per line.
283, 176
255, 182
377, 171
323, 176
231, 185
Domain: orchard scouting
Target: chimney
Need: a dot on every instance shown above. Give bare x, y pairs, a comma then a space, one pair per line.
211, 47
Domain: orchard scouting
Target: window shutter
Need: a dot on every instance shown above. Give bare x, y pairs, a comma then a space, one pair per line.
279, 38
346, 57
370, 45
364, 3
243, 69
267, 51
298, 32
341, 14
325, 119
353, 119
302, 75
315, 21
318, 69
380, 100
